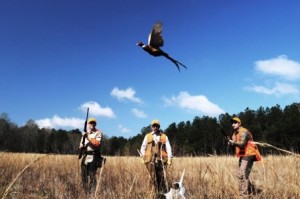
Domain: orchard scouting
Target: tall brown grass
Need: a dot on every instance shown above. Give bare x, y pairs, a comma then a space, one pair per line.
58, 176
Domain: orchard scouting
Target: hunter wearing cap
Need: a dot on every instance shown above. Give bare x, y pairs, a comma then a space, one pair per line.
91, 145
157, 154
247, 152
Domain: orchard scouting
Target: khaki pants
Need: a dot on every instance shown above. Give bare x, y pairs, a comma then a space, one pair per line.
245, 166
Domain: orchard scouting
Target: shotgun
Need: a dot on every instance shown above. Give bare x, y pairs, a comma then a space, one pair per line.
84, 136
227, 137
225, 134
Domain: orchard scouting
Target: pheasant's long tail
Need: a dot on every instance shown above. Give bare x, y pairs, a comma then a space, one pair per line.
177, 63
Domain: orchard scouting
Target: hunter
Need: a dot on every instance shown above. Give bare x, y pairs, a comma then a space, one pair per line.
247, 152
157, 154
90, 144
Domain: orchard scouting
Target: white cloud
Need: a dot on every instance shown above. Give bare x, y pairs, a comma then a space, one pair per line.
123, 129
138, 113
284, 69
278, 89
196, 103
280, 66
125, 94
96, 110
58, 122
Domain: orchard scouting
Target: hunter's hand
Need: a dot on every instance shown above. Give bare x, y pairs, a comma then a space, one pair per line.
142, 161
169, 161
231, 142
227, 138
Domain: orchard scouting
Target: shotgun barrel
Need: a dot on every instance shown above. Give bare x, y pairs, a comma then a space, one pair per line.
84, 136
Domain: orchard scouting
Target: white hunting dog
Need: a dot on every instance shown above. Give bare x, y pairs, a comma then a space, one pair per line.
177, 191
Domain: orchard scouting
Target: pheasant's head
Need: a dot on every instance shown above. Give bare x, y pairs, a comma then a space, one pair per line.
139, 44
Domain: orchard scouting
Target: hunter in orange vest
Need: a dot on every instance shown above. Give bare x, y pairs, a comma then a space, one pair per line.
247, 152
157, 155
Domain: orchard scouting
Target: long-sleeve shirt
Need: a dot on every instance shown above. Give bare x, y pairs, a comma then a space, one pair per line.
97, 135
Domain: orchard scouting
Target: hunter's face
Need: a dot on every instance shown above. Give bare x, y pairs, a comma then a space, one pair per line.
155, 127
92, 125
235, 125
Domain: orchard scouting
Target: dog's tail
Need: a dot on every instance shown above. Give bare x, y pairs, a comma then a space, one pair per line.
181, 179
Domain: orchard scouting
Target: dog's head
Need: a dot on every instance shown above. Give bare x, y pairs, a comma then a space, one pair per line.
177, 190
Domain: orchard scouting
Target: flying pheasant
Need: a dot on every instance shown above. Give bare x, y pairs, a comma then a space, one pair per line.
155, 41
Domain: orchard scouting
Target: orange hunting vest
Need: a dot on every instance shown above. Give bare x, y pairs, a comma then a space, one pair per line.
249, 149
156, 151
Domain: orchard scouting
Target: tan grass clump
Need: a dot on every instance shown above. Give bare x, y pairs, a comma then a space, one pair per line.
58, 177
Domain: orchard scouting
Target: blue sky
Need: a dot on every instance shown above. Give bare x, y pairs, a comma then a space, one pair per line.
58, 57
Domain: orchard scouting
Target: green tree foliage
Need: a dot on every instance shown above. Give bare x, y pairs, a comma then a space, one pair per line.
202, 136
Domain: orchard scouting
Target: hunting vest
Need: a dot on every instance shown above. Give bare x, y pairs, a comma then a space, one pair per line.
92, 147
95, 140
249, 149
156, 151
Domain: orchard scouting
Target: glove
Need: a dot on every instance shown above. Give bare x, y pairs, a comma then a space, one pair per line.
169, 161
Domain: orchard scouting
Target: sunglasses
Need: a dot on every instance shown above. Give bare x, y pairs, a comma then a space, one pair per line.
93, 123
234, 122
155, 125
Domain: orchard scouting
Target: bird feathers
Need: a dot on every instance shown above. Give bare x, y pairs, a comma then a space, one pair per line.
155, 41
155, 37
177, 63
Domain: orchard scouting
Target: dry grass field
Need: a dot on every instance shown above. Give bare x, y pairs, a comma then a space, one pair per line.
58, 176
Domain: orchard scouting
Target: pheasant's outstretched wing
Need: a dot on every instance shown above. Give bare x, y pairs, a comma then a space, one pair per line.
155, 37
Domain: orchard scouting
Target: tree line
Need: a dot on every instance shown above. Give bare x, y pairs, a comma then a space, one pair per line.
201, 137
